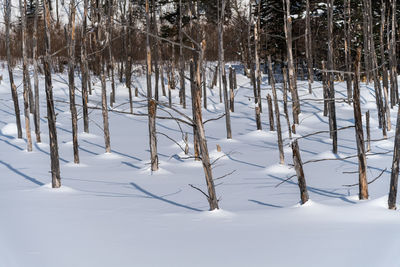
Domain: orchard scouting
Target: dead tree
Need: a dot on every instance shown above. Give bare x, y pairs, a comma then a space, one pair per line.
285, 108
25, 78
200, 133
385, 82
104, 109
362, 161
14, 93
231, 90
35, 74
394, 177
110, 24
84, 69
277, 114
182, 92
270, 113
367, 128
308, 44
151, 105
222, 69
347, 46
71, 79
394, 97
298, 165
257, 58
291, 68
51, 115
330, 79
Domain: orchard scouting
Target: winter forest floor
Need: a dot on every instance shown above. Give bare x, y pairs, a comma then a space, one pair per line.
112, 211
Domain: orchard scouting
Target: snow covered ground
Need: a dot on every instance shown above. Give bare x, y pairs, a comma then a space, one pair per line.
111, 211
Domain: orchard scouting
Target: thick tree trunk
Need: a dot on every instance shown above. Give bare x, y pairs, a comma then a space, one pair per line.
14, 92
298, 165
277, 114
151, 105
231, 90
200, 133
35, 74
290, 61
270, 113
104, 109
362, 161
85, 69
22, 8
331, 86
394, 177
51, 115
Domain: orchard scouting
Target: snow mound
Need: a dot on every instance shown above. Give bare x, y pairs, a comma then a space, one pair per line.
9, 129
63, 189
279, 169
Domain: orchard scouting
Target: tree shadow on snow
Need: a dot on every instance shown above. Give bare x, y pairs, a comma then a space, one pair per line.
25, 176
137, 187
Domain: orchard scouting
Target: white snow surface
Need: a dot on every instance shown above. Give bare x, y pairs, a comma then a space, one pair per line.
112, 211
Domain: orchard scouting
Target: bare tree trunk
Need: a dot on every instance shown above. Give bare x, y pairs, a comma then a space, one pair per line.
394, 177
14, 93
308, 38
393, 58
270, 113
110, 25
347, 46
298, 165
331, 87
362, 161
277, 114
257, 59
385, 81
231, 90
292, 78
71, 79
367, 48
368, 131
155, 46
162, 81
222, 69
200, 133
51, 115
182, 91
325, 89
151, 104
22, 8
85, 69
285, 108
104, 109
35, 73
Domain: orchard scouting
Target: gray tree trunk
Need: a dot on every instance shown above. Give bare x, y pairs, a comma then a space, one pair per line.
51, 115
362, 161
71, 79
14, 93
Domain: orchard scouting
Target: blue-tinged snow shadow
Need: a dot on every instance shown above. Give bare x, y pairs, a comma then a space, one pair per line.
264, 204
25, 176
162, 198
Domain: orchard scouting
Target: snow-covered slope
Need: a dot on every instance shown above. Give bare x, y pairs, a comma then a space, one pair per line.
111, 211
